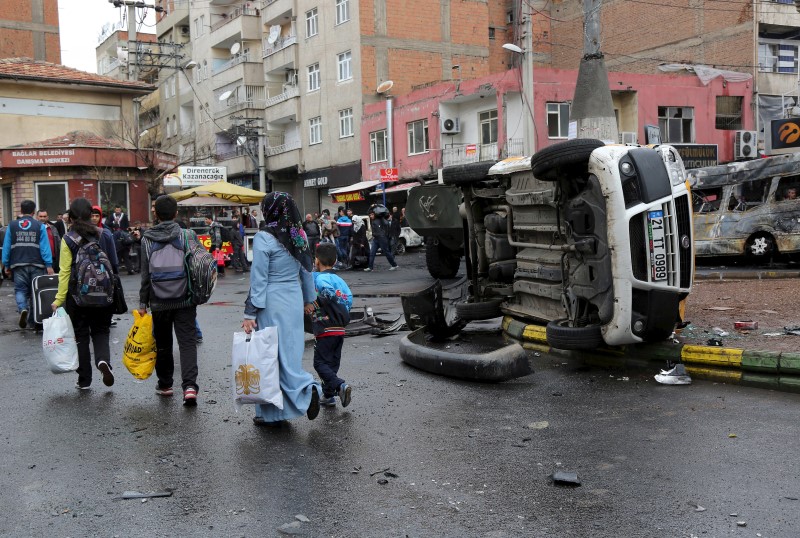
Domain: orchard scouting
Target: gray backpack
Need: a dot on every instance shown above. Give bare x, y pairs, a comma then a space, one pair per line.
168, 276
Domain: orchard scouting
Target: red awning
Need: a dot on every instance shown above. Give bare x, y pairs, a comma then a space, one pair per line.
397, 188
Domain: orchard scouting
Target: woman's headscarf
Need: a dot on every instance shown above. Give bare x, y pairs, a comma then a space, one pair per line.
282, 219
358, 222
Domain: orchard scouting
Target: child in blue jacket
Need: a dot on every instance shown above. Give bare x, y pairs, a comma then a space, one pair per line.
330, 313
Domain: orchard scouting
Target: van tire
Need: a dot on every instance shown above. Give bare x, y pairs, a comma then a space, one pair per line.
561, 336
564, 159
761, 245
463, 174
481, 310
400, 247
441, 261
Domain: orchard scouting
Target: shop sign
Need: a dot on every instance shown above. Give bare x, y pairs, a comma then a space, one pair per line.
471, 149
39, 157
315, 182
192, 176
783, 136
389, 174
348, 197
697, 155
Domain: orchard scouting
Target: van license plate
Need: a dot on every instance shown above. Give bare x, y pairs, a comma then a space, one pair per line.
658, 248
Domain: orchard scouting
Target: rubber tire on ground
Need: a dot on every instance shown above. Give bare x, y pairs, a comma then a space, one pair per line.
441, 261
463, 174
547, 164
560, 336
480, 310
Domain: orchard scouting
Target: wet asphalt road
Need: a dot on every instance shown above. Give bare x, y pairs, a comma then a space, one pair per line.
464, 459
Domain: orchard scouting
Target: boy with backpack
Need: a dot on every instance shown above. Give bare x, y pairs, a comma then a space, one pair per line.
88, 266
330, 313
166, 289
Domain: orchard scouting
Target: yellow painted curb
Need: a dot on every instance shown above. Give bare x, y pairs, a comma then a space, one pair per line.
719, 357
716, 374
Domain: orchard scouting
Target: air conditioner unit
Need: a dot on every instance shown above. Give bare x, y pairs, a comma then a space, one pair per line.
628, 137
745, 145
450, 126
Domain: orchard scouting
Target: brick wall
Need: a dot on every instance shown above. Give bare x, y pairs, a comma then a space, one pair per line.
16, 42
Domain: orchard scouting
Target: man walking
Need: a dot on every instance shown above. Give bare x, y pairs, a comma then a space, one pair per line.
26, 255
311, 228
380, 236
117, 220
163, 246
53, 237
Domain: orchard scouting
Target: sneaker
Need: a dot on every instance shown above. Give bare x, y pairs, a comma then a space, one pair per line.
393, 268
328, 401
82, 387
190, 396
675, 376
367, 270
313, 407
199, 340
23, 319
108, 376
344, 394
166, 392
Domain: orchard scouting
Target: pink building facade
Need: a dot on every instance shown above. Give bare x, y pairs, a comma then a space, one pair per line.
477, 120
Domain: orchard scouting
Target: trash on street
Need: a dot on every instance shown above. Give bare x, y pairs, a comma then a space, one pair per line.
675, 376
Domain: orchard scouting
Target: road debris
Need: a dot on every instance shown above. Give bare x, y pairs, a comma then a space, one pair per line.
540, 425
714, 342
741, 523
565, 478
382, 481
793, 330
379, 472
290, 529
136, 495
674, 376
719, 308
697, 507
302, 518
719, 331
746, 325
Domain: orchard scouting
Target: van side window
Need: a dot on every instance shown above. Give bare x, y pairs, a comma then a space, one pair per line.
749, 195
706, 200
788, 188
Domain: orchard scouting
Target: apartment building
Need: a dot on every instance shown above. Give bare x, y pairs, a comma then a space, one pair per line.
29, 29
293, 76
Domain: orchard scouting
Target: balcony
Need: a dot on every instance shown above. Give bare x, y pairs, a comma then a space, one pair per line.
473, 153
237, 161
280, 153
777, 83
236, 60
274, 9
284, 106
283, 148
778, 15
246, 72
232, 15
242, 98
244, 26
279, 45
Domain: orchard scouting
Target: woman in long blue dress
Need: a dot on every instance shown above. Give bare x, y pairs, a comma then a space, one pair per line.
280, 284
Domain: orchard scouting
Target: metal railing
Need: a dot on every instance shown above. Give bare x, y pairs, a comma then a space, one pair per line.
234, 14
473, 153
515, 147
283, 148
288, 92
279, 45
236, 60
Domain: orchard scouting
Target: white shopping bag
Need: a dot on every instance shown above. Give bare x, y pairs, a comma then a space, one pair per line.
255, 368
58, 343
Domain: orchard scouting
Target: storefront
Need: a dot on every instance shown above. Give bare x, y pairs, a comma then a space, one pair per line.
317, 183
355, 196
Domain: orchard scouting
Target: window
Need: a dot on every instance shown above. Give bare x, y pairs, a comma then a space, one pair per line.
748, 195
345, 66
488, 121
313, 77
777, 56
676, 124
311, 23
706, 200
418, 136
491, 33
342, 11
729, 112
557, 120
345, 123
113, 193
377, 146
50, 196
315, 130
169, 88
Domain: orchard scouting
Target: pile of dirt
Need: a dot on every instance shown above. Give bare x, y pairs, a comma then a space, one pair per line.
714, 307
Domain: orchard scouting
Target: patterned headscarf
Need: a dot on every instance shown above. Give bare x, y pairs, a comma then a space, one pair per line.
282, 219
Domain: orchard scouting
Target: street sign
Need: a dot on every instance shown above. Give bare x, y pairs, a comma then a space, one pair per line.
471, 149
348, 197
389, 174
193, 176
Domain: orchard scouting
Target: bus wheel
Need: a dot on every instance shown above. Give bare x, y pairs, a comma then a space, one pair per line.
761, 245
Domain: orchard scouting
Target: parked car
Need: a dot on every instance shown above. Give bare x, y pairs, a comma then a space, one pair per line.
594, 240
408, 239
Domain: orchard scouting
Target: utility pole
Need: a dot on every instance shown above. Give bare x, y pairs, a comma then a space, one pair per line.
133, 45
592, 107
528, 129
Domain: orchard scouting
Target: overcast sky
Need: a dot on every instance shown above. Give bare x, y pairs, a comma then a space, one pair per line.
81, 22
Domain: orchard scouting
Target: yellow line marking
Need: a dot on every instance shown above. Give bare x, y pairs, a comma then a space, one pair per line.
712, 356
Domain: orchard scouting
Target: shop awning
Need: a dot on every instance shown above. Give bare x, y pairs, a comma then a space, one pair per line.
397, 188
360, 186
223, 191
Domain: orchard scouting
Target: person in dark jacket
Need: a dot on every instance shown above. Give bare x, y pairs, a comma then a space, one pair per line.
311, 228
52, 236
330, 313
175, 313
215, 232
26, 255
380, 237
90, 323
343, 241
117, 220
394, 231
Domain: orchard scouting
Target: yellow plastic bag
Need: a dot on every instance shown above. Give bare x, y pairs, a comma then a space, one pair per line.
139, 355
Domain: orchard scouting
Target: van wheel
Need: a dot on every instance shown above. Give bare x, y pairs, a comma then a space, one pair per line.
400, 247
481, 310
761, 245
561, 336
441, 261
464, 174
570, 158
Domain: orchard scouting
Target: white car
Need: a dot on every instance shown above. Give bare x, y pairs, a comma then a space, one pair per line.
408, 239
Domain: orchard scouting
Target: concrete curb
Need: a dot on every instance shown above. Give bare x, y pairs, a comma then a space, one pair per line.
766, 369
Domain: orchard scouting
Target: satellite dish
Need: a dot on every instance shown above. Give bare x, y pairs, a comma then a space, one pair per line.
225, 95
235, 48
241, 141
385, 86
274, 33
